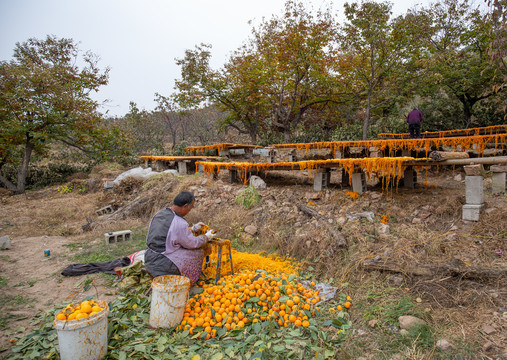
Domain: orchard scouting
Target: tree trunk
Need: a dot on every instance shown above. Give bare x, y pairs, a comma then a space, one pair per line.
253, 137
10, 186
468, 104
287, 136
23, 168
366, 122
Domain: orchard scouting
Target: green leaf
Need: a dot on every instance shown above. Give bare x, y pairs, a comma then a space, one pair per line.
253, 299
229, 352
140, 348
283, 299
162, 340
279, 348
338, 322
221, 331
218, 356
328, 353
256, 327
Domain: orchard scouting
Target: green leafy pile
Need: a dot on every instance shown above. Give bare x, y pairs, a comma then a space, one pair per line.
130, 336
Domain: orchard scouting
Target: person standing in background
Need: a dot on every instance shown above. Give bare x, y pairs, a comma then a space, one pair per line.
414, 119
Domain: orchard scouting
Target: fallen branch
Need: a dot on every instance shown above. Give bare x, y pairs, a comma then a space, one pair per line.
455, 268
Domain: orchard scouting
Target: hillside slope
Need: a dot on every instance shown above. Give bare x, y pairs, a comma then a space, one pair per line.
413, 247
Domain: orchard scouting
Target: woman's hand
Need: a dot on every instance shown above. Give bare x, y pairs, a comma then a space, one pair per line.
210, 234
197, 227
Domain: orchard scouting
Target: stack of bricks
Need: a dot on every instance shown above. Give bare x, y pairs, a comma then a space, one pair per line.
474, 188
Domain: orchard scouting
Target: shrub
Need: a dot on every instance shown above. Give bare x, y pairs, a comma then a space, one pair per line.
44, 175
248, 197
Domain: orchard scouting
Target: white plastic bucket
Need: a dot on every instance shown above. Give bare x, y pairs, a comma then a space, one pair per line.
83, 339
168, 299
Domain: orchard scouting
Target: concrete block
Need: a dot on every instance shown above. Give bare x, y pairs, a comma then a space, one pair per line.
321, 179
409, 178
237, 151
182, 167
105, 210
118, 236
271, 156
359, 182
498, 168
264, 152
5, 242
472, 212
223, 153
474, 188
498, 182
338, 154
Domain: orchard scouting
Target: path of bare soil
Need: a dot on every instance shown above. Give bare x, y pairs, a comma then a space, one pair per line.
51, 219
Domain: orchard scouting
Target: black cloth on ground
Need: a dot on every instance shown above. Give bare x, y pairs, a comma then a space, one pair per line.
90, 268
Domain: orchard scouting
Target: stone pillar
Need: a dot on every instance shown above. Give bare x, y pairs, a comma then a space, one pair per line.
293, 156
359, 182
182, 167
233, 175
409, 177
321, 179
498, 178
474, 190
271, 156
374, 152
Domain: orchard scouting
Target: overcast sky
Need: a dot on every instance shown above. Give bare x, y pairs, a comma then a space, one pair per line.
140, 39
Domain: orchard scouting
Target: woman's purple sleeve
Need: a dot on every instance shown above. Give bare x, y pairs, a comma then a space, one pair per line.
183, 236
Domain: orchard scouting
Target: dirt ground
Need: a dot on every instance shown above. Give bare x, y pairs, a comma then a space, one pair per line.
52, 219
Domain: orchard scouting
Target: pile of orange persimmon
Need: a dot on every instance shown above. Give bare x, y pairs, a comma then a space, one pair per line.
79, 311
239, 300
